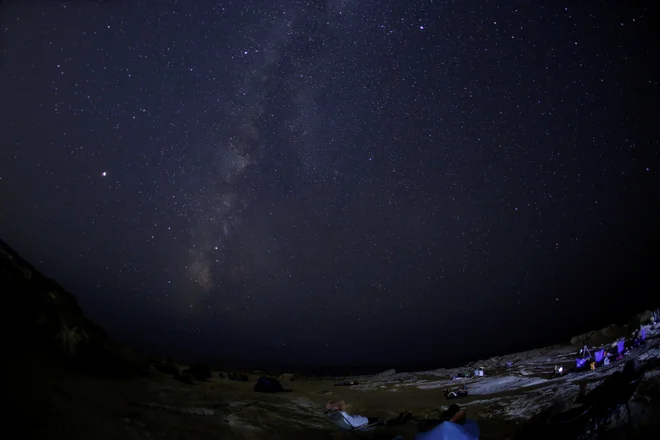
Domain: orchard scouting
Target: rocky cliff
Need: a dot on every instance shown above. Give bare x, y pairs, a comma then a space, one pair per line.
44, 317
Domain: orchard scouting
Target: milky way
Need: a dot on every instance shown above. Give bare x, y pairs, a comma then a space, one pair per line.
339, 181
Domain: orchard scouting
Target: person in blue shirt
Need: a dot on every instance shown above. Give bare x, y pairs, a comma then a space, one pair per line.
454, 426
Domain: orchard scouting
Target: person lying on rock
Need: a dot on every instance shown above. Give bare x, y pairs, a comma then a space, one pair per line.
354, 421
455, 392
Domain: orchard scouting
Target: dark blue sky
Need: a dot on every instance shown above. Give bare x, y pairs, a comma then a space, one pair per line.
339, 181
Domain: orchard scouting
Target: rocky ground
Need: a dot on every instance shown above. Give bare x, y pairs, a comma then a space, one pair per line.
52, 400
64, 378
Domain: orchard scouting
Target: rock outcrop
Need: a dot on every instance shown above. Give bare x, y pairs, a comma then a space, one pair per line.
612, 332
603, 336
45, 317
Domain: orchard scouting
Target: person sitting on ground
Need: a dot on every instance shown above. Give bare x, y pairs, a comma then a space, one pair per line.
358, 421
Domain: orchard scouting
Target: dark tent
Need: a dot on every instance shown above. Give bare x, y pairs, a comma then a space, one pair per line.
268, 385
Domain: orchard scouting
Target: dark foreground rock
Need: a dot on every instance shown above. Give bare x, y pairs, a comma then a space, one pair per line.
46, 318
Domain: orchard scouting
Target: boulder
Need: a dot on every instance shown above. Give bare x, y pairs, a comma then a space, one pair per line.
385, 374
644, 317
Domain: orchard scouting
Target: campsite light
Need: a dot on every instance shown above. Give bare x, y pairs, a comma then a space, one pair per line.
561, 370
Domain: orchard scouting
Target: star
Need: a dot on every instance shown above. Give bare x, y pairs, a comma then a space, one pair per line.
294, 167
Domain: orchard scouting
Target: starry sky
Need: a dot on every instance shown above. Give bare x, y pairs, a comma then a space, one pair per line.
335, 181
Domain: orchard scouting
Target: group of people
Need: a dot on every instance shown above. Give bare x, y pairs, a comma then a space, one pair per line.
453, 424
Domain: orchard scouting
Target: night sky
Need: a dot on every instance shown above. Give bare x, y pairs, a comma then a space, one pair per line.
337, 181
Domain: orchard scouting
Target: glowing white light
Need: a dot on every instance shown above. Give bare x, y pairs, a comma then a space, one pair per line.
104, 174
